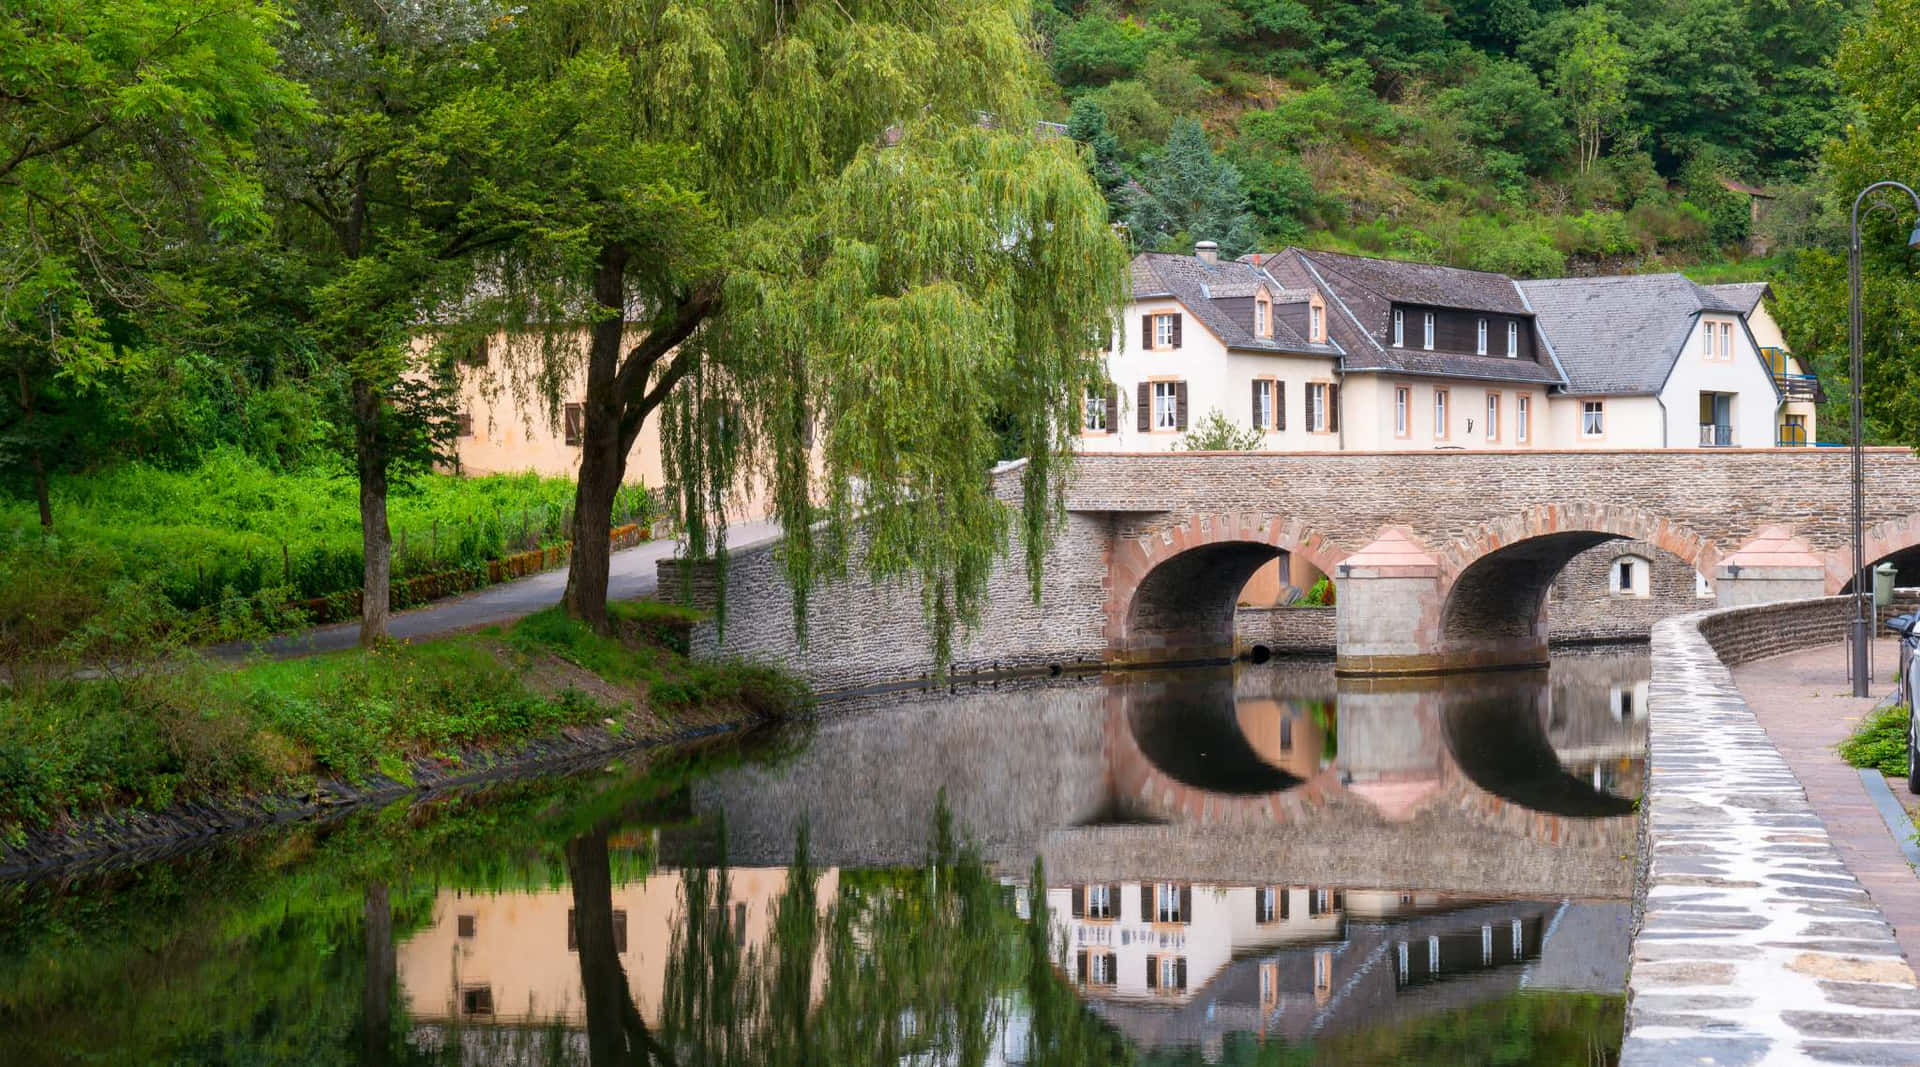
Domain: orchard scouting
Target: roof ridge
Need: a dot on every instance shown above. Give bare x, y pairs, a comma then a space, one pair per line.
1410, 263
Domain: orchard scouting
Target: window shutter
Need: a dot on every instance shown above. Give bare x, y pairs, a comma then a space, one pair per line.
1144, 411
1256, 405
1113, 408
1186, 903
1286, 900
1339, 900
1146, 332
1176, 330
1079, 901
1179, 404
1333, 408
1180, 973
1259, 915
1113, 901
1153, 972
1080, 966
1279, 405
1146, 902
1113, 967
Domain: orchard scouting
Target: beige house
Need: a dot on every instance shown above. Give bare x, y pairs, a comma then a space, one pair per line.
1799, 387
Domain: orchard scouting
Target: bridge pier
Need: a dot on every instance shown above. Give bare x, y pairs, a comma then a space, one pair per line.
1390, 618
1773, 567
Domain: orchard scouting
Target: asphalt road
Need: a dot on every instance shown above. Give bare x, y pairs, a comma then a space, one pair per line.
634, 574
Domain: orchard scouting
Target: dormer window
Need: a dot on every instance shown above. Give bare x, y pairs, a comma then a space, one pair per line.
1316, 323
1262, 318
1480, 339
1399, 328
1513, 340
1426, 340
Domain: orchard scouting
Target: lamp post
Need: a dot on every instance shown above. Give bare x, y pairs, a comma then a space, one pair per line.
1862, 632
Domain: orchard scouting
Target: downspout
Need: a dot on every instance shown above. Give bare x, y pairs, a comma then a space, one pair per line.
1340, 383
1663, 419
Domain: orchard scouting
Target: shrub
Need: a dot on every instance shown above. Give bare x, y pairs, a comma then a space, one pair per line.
1880, 743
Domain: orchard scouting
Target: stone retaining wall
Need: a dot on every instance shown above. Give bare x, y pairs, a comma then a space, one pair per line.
1756, 943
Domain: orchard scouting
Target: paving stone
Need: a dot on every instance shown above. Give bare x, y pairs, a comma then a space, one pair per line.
1873, 1053
1853, 969
1876, 1026
1657, 952
1683, 973
1706, 1051
1871, 995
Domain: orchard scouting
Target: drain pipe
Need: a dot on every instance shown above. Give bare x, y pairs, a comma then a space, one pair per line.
1340, 383
1663, 419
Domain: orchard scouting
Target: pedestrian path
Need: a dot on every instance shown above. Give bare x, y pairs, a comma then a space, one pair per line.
1761, 942
633, 574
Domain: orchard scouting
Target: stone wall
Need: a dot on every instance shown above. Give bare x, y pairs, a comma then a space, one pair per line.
1738, 635
1286, 631
1580, 607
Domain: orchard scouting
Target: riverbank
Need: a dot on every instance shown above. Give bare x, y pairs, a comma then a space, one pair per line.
182, 749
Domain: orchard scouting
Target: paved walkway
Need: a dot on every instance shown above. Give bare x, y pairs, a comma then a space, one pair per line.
633, 574
1805, 704
1759, 946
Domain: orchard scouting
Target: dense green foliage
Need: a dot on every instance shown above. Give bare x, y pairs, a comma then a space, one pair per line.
232, 527
1880, 743
1535, 137
150, 723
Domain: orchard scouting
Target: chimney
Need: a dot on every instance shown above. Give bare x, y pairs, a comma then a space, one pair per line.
1206, 251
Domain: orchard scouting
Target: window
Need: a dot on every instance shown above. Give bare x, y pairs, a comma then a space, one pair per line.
1261, 311
1622, 702
1263, 404
1095, 412
475, 354
1793, 430
1166, 331
1173, 972
1322, 974
1630, 576
1493, 416
575, 424
1486, 944
1592, 418
1440, 414
1520, 413
1726, 342
1100, 968
1099, 902
464, 925
1519, 948
1166, 903
619, 931
1701, 587
1269, 984
1317, 407
463, 424
1402, 407
1513, 340
477, 1000
1399, 328
1317, 902
1706, 339
1316, 323
1480, 339
1166, 405
1426, 337
1266, 904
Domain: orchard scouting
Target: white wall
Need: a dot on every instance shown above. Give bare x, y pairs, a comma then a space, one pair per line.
1755, 405
1369, 401
1629, 422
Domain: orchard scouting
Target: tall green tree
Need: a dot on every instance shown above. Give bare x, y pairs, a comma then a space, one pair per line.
1190, 194
824, 245
1592, 78
374, 201
126, 132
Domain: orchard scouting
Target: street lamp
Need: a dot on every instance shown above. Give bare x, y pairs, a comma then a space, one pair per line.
1862, 634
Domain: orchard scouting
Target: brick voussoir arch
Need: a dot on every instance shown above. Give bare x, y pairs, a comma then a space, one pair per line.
1581, 517
1134, 558
1877, 542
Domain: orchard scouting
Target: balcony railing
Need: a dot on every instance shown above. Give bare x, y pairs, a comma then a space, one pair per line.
1790, 437
1715, 435
1800, 387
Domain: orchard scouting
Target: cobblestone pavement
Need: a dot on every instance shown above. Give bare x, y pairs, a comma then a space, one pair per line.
1759, 945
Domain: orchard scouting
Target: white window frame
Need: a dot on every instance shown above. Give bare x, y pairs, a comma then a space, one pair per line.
1262, 316
1170, 974
1493, 416
1706, 338
1316, 407
1480, 338
1593, 418
1726, 342
1402, 410
1520, 420
1630, 576
1440, 415
1399, 328
1166, 903
1269, 903
1099, 902
1316, 323
1426, 331
1513, 340
1097, 969
1166, 406
1263, 388
1163, 331
1094, 413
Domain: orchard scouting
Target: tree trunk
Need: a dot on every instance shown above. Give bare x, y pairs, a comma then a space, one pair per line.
616, 1034
603, 459
33, 447
376, 996
376, 541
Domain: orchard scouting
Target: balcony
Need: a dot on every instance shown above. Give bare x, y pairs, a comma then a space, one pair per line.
1716, 435
1800, 387
1790, 437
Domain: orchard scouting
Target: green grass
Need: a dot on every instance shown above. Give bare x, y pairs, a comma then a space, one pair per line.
182, 729
1880, 743
235, 527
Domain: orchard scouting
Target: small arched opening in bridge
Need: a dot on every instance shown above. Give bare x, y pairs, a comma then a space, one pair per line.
1173, 593
1560, 574
1896, 541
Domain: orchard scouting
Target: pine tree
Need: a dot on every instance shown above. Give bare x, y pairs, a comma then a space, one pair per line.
1189, 194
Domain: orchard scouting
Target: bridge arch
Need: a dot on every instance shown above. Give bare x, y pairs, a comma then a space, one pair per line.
1172, 590
1878, 543
1494, 582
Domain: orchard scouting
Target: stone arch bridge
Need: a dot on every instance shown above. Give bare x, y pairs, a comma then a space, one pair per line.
1442, 559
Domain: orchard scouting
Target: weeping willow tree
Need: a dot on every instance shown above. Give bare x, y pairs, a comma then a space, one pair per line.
823, 244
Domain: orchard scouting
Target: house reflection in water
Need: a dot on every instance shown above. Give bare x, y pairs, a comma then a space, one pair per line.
1183, 964
511, 958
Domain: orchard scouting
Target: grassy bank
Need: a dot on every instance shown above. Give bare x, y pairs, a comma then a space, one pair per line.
233, 527
182, 729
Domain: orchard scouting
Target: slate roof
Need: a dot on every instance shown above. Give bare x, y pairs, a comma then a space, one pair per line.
1621, 335
1197, 284
1744, 294
1361, 293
